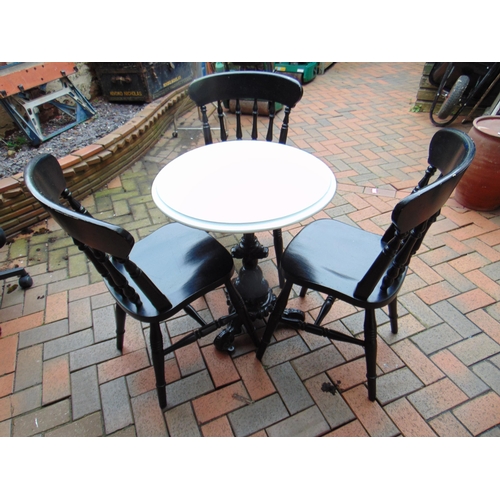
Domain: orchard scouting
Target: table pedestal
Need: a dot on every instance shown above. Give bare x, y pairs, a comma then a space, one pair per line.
251, 285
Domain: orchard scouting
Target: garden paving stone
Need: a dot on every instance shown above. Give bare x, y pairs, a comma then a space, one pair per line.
148, 417
460, 374
307, 423
489, 373
332, 405
437, 398
115, 405
475, 349
394, 385
89, 426
377, 158
257, 416
434, 339
290, 388
85, 392
67, 344
182, 422
43, 333
42, 419
29, 367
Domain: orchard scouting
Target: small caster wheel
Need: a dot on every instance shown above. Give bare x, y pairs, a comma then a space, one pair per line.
174, 134
25, 281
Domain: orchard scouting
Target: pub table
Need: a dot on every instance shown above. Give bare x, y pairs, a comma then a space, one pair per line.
244, 187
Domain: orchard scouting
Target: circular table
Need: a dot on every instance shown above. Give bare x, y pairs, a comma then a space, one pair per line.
244, 187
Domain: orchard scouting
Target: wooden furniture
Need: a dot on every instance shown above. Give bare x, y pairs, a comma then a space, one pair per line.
244, 187
255, 92
364, 269
150, 280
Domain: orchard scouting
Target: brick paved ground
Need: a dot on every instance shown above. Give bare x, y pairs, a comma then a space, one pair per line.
61, 375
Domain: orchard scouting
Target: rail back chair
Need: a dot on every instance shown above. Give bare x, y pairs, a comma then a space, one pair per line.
254, 86
150, 280
365, 269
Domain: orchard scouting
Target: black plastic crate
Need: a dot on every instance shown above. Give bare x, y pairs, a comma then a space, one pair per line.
141, 82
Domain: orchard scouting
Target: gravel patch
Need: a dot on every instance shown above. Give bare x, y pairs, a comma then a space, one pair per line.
109, 116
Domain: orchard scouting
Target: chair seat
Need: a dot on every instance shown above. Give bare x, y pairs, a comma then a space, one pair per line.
365, 269
150, 280
332, 257
198, 263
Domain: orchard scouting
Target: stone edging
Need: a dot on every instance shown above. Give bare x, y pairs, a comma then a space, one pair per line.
90, 168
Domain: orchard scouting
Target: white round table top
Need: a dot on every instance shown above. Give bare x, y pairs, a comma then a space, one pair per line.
243, 186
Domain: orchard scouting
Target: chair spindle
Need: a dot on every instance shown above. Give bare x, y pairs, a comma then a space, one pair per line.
284, 126
255, 115
237, 112
207, 134
272, 113
220, 114
75, 205
430, 171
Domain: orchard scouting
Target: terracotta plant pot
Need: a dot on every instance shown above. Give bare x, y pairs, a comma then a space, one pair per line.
479, 188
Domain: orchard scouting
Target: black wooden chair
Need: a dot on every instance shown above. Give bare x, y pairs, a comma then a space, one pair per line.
259, 93
365, 269
150, 280
25, 280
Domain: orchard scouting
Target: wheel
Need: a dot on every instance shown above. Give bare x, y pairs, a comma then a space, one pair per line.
454, 97
25, 281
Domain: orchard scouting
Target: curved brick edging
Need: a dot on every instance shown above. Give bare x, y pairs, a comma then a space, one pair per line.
90, 168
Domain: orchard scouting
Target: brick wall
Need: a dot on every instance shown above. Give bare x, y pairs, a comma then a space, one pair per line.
90, 168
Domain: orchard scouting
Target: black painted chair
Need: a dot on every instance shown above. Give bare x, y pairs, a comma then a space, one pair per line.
25, 280
365, 269
256, 92
150, 280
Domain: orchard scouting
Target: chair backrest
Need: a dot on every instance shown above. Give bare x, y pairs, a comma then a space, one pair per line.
255, 86
99, 240
451, 152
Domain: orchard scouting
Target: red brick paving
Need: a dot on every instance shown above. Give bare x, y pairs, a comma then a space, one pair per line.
357, 118
408, 420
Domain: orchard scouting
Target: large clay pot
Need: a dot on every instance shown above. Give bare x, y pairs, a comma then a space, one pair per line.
479, 188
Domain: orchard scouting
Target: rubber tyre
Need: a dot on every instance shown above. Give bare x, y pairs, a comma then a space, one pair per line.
454, 97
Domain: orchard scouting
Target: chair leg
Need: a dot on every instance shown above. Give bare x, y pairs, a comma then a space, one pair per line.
371, 352
156, 341
274, 318
278, 249
325, 309
120, 317
393, 315
303, 292
190, 311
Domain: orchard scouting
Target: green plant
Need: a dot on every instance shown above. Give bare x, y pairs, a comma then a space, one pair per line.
416, 109
15, 144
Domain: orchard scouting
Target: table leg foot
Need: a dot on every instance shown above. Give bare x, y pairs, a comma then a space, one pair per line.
293, 315
224, 340
252, 287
